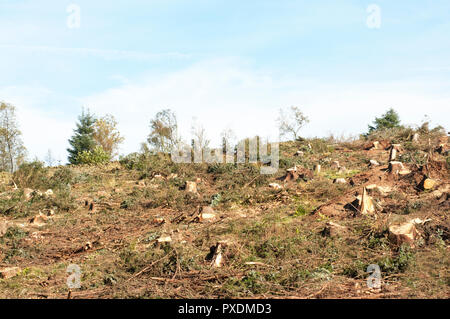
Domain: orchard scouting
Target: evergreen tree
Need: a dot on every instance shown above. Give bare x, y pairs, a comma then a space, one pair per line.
388, 120
83, 138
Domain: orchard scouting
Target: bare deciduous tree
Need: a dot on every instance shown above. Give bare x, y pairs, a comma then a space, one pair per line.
12, 151
49, 160
292, 122
199, 135
228, 139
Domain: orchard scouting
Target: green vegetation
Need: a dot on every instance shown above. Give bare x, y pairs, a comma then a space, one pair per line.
137, 232
95, 141
388, 120
96, 156
83, 139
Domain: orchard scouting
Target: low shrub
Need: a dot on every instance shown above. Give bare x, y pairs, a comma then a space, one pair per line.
97, 156
398, 263
32, 175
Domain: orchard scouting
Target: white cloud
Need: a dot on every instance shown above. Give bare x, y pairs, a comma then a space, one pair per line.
227, 94
102, 53
41, 130
435, 69
220, 95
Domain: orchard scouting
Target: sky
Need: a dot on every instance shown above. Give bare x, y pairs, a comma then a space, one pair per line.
225, 64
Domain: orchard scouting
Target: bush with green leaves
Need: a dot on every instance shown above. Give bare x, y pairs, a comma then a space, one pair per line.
96, 156
62, 177
132, 160
32, 175
158, 163
398, 263
10, 206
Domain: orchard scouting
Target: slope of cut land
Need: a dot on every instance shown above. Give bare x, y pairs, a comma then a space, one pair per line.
137, 229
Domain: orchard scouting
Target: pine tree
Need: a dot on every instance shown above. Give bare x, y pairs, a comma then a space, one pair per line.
388, 120
83, 138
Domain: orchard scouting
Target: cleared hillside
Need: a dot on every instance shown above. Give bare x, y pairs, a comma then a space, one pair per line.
136, 231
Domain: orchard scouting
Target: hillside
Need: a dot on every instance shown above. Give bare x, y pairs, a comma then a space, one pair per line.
137, 229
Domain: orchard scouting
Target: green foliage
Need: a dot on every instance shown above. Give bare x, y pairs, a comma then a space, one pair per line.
132, 160
15, 233
149, 164
95, 141
216, 200
317, 146
219, 168
13, 236
253, 281
63, 177
412, 207
83, 138
128, 203
356, 270
388, 120
96, 156
63, 199
107, 135
397, 135
324, 189
131, 259
399, 263
8, 205
32, 175
303, 210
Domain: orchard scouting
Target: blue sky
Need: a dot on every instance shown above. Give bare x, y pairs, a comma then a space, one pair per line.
229, 64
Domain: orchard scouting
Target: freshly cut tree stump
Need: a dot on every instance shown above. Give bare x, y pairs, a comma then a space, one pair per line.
191, 187
404, 233
395, 149
366, 205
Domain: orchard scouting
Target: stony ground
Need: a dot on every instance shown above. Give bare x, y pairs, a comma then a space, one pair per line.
150, 228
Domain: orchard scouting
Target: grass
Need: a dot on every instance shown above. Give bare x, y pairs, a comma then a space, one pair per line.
275, 244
